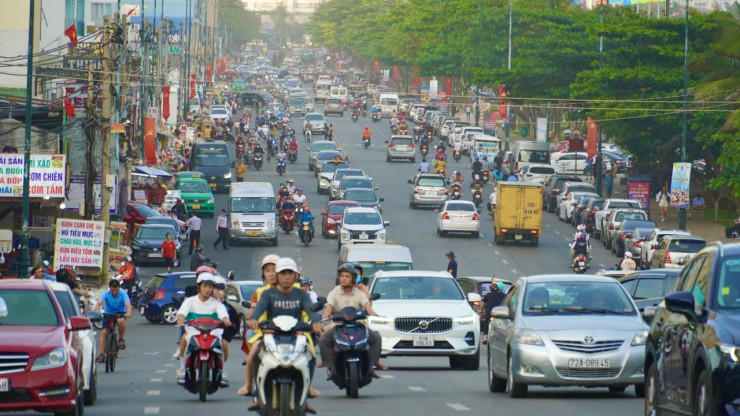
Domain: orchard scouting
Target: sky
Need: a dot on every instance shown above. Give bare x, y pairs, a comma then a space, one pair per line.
172, 8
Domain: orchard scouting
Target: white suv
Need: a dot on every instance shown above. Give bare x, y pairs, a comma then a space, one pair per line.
426, 313
362, 225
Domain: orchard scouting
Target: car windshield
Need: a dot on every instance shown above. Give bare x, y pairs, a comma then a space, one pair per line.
401, 141
356, 183
417, 287
211, 159
362, 218
314, 117
28, 307
541, 170
534, 156
728, 285
331, 167
624, 204
576, 297
459, 206
633, 225
686, 246
327, 155
437, 182
218, 111
147, 211
338, 209
195, 187
624, 216
252, 204
153, 233
317, 147
360, 196
247, 290
370, 267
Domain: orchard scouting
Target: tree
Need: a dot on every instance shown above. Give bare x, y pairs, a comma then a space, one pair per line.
244, 25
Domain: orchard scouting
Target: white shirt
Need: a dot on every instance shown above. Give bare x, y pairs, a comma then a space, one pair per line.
194, 308
222, 222
492, 198
299, 199
194, 223
290, 188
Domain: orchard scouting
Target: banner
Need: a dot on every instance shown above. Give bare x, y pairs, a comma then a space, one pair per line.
165, 102
76, 194
395, 72
150, 137
416, 77
47, 175
376, 67
192, 86
541, 129
448, 87
489, 122
592, 133
638, 187
502, 103
209, 72
79, 243
433, 88
680, 185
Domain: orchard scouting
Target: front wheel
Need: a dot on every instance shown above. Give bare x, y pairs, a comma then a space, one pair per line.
285, 399
203, 388
354, 380
111, 348
513, 388
495, 384
702, 401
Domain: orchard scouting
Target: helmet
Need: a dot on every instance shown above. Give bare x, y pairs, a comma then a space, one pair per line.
305, 282
231, 275
119, 278
206, 277
205, 269
199, 248
128, 259
269, 259
359, 266
219, 282
349, 268
628, 255
581, 227
290, 180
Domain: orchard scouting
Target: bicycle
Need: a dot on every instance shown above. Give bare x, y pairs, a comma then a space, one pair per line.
111, 341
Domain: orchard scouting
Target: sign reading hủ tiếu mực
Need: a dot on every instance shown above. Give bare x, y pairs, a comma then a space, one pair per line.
47, 175
78, 243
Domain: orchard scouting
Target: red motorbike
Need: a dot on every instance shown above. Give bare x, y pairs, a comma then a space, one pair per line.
204, 358
287, 218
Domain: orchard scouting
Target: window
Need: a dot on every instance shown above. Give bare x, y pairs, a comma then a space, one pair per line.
418, 288
687, 246
510, 301
29, 307
67, 302
183, 283
629, 286
701, 286
728, 284
649, 289
688, 275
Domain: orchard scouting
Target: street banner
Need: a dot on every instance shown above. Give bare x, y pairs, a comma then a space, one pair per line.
47, 175
192, 86
638, 188
680, 185
376, 67
76, 194
541, 129
165, 102
78, 243
502, 103
488, 121
209, 72
150, 137
433, 88
386, 75
395, 72
592, 131
448, 87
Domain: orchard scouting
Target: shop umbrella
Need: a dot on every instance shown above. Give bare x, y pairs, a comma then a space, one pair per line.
150, 172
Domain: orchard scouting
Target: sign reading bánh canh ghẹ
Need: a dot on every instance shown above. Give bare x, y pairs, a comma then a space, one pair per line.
78, 243
47, 176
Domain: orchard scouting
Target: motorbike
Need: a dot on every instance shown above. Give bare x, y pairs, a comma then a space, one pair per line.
351, 359
376, 116
364, 112
204, 358
485, 175
354, 116
456, 155
403, 131
580, 264
257, 161
287, 217
424, 150
365, 142
477, 197
292, 155
281, 166
306, 233
456, 192
417, 133
240, 151
307, 134
430, 136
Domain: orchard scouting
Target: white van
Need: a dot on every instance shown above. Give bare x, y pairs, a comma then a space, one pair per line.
388, 104
252, 212
376, 257
340, 93
322, 90
527, 152
485, 145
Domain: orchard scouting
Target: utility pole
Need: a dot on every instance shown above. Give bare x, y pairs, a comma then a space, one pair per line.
599, 169
25, 257
105, 174
92, 123
684, 123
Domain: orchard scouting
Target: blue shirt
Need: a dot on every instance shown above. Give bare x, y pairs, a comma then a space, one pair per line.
115, 304
306, 216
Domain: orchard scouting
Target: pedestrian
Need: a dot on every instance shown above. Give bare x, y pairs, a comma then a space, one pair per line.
194, 224
663, 202
222, 228
179, 209
492, 299
241, 170
169, 252
159, 193
451, 264
467, 112
608, 184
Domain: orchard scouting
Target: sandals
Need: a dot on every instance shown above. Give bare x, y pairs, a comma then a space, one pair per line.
100, 359
121, 344
244, 391
380, 366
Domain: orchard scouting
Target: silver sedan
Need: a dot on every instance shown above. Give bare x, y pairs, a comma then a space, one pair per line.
566, 330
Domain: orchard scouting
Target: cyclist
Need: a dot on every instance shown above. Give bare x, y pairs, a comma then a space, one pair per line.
116, 302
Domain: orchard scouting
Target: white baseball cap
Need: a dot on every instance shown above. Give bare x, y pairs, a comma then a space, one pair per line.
270, 259
286, 263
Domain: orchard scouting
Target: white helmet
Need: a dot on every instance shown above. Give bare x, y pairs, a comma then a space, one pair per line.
119, 278
628, 255
581, 227
206, 277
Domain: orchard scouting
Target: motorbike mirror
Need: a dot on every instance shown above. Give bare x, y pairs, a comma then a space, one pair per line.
247, 304
323, 213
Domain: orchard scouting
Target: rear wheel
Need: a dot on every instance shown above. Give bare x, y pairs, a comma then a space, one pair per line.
354, 380
203, 388
702, 400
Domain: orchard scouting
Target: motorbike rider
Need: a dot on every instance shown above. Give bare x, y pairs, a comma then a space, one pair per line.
627, 263
293, 146
342, 296
240, 145
233, 330
492, 299
366, 133
290, 186
200, 306
307, 286
286, 207
199, 259
423, 166
258, 152
441, 165
179, 210
299, 198
477, 169
580, 244
130, 277
492, 201
306, 216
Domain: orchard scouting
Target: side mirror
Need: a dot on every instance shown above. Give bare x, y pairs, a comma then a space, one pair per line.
79, 323
376, 187
386, 223
680, 302
500, 312
410, 182
649, 312
375, 296
386, 142
474, 297
232, 298
323, 213
381, 199
247, 304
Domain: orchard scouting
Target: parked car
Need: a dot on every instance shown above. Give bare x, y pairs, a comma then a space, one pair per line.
332, 215
362, 225
400, 147
649, 287
458, 216
146, 246
624, 231
137, 213
316, 147
674, 251
652, 241
601, 343
553, 186
569, 162
42, 354
425, 313
693, 347
634, 242
428, 189
579, 213
156, 303
614, 218
569, 187
535, 173
239, 293
336, 179
364, 197
569, 203
588, 215
610, 204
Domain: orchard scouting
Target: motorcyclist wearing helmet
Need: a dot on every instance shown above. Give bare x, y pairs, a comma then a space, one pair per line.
198, 259
366, 133
130, 277
204, 305
290, 186
492, 299
306, 216
344, 295
307, 286
580, 244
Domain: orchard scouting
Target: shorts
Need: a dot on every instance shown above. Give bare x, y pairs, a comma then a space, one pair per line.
109, 321
169, 262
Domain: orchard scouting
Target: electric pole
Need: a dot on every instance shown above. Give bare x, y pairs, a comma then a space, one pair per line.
105, 175
25, 258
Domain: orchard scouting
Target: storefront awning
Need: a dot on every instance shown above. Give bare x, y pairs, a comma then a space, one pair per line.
150, 172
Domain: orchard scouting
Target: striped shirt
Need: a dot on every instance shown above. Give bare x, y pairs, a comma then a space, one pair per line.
193, 308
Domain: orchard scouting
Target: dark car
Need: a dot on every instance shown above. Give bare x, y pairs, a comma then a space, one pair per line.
578, 212
480, 285
138, 213
146, 246
622, 161
553, 186
364, 197
325, 156
156, 304
648, 287
624, 231
212, 159
692, 357
587, 216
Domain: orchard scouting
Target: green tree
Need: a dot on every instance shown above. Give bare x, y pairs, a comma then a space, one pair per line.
244, 25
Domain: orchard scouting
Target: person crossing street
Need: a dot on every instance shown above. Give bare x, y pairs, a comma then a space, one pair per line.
222, 228
194, 224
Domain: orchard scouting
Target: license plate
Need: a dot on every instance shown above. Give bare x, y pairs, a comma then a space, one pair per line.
581, 263
155, 254
306, 227
141, 310
401, 148
363, 236
254, 233
589, 363
423, 341
4, 384
517, 237
212, 185
459, 219
196, 206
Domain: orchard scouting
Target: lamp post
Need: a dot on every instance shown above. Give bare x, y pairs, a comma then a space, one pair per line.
684, 122
25, 257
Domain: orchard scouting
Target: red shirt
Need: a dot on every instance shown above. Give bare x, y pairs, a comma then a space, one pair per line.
127, 271
169, 249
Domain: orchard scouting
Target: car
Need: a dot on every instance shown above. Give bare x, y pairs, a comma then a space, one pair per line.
425, 313
674, 251
324, 157
553, 186
614, 218
197, 196
568, 204
334, 106
458, 216
566, 330
318, 122
692, 354
652, 241
324, 180
622, 161
624, 231
588, 215
444, 131
361, 225
569, 162
146, 246
299, 105
71, 307
648, 287
238, 294
610, 204
337, 178
400, 147
633, 243
171, 221
316, 147
364, 197
156, 304
577, 217
220, 114
428, 189
42, 354
187, 174
569, 187
138, 213
332, 215
348, 182
535, 173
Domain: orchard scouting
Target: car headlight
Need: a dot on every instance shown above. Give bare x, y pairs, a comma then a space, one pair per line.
323, 183
330, 221
345, 235
467, 320
381, 235
210, 201
730, 352
379, 320
529, 337
271, 223
227, 176
640, 338
53, 359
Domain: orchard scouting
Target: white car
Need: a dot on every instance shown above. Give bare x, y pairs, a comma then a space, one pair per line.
362, 225
220, 114
535, 173
568, 204
458, 216
336, 178
569, 162
425, 313
652, 241
239, 293
610, 204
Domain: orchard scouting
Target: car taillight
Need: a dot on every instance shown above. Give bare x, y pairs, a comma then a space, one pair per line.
412, 146
391, 145
623, 236
445, 216
592, 212
416, 190
158, 295
638, 243
580, 208
476, 217
667, 257
608, 214
555, 191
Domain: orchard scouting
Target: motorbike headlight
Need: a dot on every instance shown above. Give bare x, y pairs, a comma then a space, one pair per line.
640, 338
730, 352
466, 320
210, 201
227, 176
53, 359
529, 337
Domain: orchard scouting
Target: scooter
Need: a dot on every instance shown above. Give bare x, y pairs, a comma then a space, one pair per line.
281, 166
257, 161
306, 233
486, 175
354, 116
351, 360
456, 155
292, 155
456, 192
424, 150
477, 197
417, 133
287, 218
365, 142
204, 357
376, 116
240, 151
580, 264
364, 112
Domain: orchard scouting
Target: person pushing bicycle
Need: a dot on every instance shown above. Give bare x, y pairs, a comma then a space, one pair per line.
116, 303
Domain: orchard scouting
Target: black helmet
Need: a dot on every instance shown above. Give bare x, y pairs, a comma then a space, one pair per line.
347, 267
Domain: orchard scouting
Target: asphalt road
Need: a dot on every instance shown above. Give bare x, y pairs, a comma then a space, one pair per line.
144, 382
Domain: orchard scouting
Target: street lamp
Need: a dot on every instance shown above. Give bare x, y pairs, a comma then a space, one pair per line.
599, 168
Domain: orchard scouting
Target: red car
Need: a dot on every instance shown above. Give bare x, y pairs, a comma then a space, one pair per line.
333, 213
138, 213
40, 355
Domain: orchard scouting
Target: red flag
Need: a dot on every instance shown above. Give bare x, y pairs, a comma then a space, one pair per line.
416, 77
592, 132
376, 67
209, 72
192, 86
395, 72
69, 108
166, 102
71, 33
130, 11
502, 94
448, 87
150, 147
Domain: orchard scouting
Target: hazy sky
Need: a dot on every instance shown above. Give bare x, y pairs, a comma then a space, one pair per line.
172, 8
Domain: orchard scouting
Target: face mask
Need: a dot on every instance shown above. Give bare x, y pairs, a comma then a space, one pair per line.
358, 280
